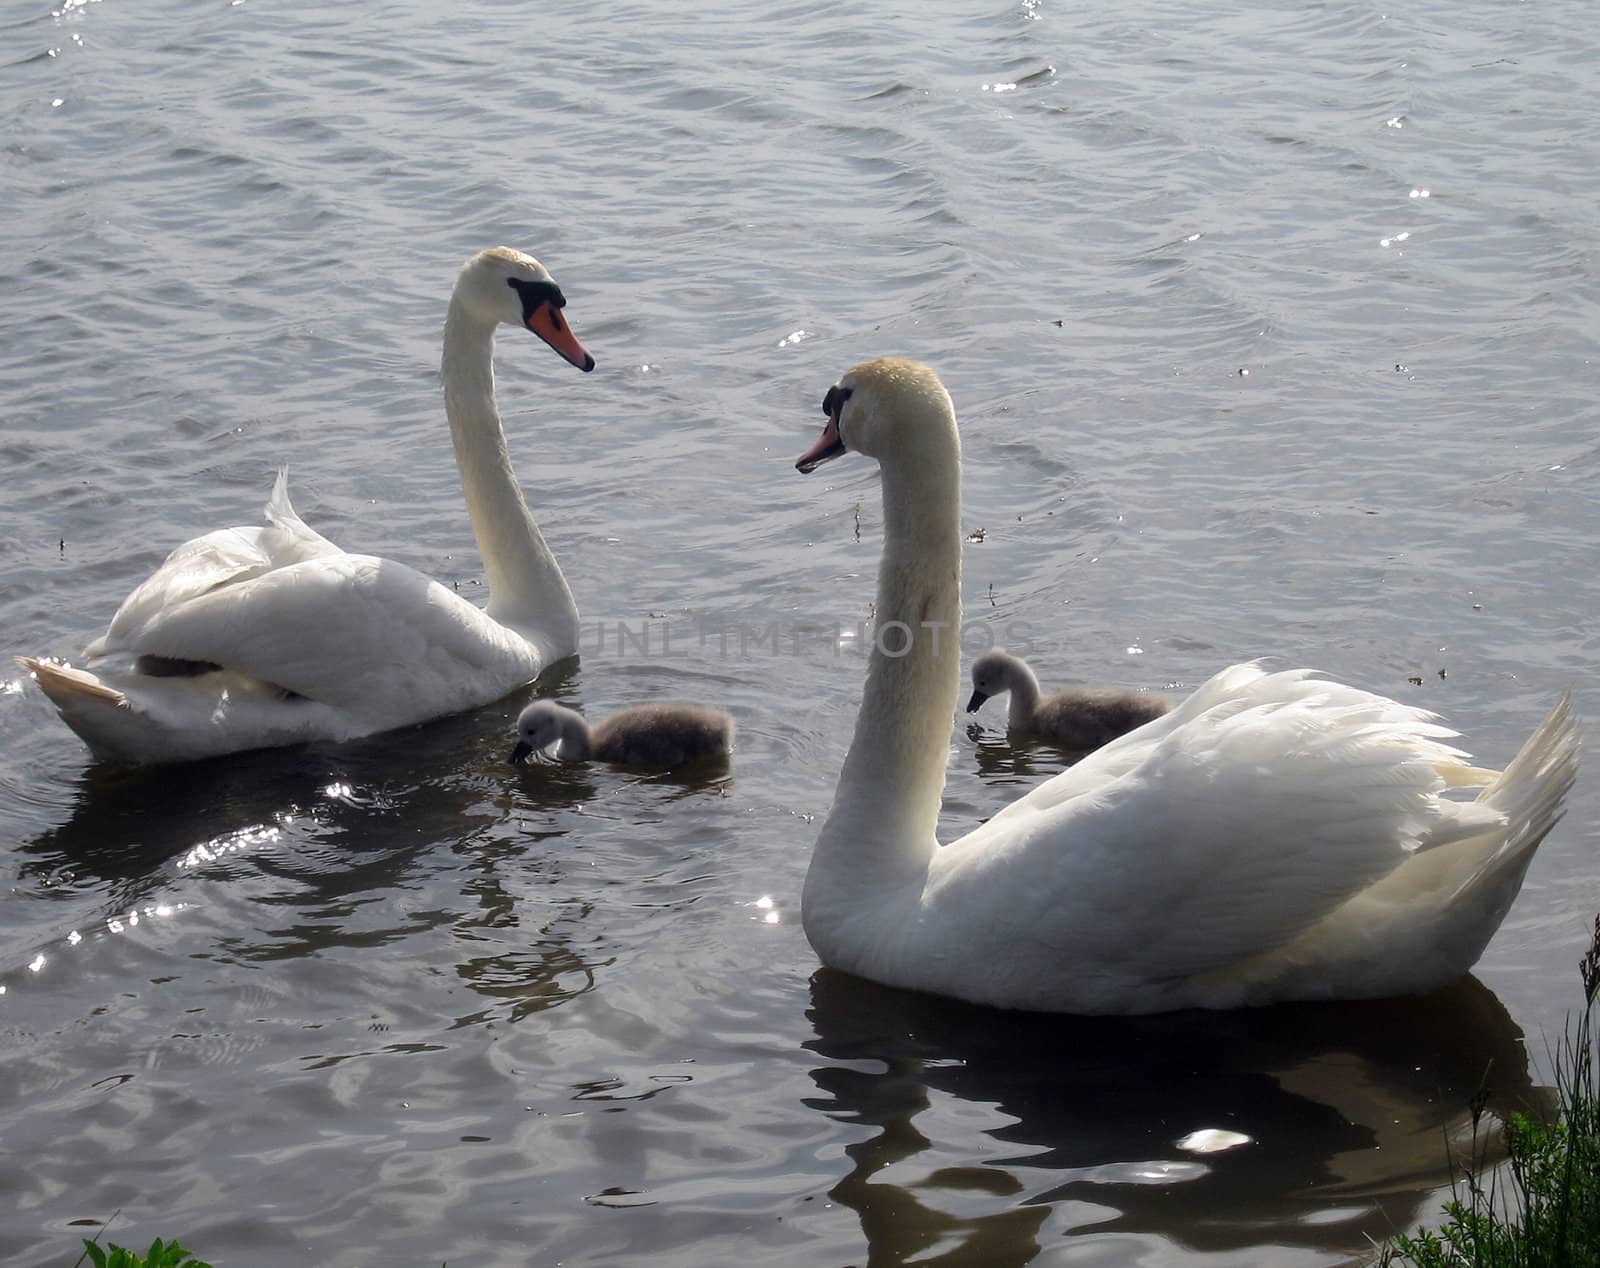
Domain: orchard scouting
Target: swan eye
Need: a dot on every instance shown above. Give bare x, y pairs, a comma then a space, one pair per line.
833, 402
536, 294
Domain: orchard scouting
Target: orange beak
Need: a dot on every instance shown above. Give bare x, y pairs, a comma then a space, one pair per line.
547, 322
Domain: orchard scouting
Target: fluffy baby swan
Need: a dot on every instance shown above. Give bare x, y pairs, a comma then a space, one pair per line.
1276, 836
649, 736
1079, 718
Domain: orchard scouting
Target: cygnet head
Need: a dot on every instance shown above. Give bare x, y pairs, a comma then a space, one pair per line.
542, 724
883, 409
506, 286
993, 674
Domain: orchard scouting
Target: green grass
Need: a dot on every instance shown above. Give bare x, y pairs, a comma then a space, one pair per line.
1540, 1208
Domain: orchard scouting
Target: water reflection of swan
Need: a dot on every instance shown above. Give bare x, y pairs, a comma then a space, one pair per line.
996, 1132
1003, 758
330, 837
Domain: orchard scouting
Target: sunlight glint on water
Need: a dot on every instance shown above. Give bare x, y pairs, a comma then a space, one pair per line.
1271, 334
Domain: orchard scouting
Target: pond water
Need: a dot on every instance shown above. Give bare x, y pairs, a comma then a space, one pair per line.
1273, 332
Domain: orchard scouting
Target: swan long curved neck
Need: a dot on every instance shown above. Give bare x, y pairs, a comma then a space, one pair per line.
1024, 695
526, 589
886, 810
577, 742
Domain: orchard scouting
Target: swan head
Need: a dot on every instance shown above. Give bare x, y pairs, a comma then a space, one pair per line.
504, 286
884, 409
541, 724
993, 674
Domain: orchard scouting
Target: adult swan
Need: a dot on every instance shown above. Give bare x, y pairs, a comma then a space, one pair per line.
1275, 837
252, 637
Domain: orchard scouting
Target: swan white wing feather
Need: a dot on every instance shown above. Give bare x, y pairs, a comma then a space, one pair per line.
362, 634
1232, 690
1223, 838
221, 558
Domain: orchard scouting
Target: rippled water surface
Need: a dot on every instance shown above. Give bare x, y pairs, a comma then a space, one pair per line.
1273, 331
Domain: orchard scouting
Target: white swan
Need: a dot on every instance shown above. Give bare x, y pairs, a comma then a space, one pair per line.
252, 637
1077, 718
658, 736
1274, 837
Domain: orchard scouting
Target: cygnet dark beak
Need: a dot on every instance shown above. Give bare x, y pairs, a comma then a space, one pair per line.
976, 702
519, 753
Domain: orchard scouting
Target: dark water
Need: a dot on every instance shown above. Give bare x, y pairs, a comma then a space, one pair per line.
1273, 332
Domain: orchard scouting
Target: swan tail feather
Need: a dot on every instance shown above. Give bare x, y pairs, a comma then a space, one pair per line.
178, 719
1458, 776
279, 510
1531, 792
1430, 919
68, 687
